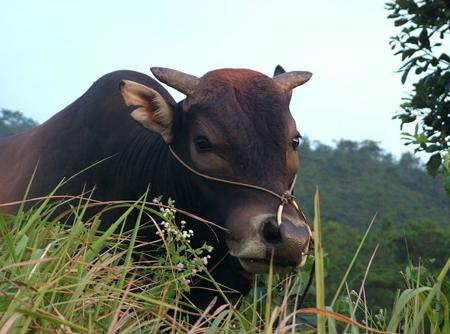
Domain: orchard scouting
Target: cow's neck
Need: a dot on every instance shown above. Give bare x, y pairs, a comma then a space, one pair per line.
146, 163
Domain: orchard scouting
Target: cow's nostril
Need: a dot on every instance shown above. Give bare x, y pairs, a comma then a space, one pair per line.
271, 232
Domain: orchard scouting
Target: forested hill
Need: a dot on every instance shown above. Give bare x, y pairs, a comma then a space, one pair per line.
358, 180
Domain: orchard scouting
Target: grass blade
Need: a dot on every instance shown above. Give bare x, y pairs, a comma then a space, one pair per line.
319, 265
352, 262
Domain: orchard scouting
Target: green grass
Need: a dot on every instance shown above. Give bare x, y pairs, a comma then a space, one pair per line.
60, 274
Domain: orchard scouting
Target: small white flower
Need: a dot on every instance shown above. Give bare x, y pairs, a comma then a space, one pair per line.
186, 281
180, 266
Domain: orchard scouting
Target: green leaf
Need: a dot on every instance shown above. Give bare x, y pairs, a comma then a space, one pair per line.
407, 53
433, 164
400, 304
214, 328
400, 22
405, 74
444, 57
423, 39
412, 40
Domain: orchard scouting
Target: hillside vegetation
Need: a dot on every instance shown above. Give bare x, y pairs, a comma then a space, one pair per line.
359, 180
13, 122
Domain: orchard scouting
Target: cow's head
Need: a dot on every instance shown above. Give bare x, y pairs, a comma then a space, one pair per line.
235, 124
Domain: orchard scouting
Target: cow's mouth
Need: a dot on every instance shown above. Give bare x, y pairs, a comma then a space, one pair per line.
259, 266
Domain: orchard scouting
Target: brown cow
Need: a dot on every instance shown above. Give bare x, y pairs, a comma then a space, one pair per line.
227, 152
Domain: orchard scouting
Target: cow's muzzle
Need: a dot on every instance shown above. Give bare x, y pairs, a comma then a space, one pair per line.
280, 245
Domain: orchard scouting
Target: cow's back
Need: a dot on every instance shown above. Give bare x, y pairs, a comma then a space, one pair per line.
95, 127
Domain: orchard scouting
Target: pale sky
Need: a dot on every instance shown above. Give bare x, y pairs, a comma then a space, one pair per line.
52, 51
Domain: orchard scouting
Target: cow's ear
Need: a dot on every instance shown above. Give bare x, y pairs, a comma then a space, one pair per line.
278, 70
152, 111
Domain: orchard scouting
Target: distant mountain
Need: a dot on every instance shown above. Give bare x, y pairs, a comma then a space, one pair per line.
358, 180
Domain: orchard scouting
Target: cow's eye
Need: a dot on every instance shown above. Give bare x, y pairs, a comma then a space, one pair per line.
296, 142
202, 144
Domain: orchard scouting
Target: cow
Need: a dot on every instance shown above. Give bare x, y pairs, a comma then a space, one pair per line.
227, 153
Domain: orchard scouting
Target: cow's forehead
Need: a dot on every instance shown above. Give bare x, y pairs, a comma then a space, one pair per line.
249, 89
234, 74
239, 79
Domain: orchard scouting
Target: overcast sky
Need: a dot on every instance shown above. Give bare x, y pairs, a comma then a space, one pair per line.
52, 51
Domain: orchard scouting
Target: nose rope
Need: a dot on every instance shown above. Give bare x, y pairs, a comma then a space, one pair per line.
288, 197
285, 198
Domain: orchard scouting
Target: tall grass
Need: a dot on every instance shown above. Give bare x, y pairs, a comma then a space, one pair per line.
60, 274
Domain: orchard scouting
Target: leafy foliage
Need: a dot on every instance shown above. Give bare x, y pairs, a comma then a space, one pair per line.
421, 43
13, 122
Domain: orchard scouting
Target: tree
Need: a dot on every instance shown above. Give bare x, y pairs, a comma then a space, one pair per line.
421, 43
12, 122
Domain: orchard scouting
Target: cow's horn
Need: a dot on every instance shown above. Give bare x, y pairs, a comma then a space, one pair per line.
184, 83
289, 80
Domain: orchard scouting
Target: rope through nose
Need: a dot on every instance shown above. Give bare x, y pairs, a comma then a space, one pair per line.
286, 198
